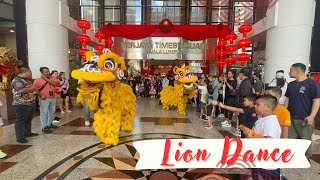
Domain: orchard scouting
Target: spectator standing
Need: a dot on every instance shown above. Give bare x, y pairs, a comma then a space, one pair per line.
302, 101
65, 97
258, 85
281, 83
57, 91
245, 88
24, 97
45, 86
165, 82
230, 95
2, 154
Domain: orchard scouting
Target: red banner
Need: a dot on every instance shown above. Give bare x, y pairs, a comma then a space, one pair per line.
190, 32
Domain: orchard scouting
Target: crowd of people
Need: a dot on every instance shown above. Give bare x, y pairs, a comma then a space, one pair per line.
279, 110
50, 89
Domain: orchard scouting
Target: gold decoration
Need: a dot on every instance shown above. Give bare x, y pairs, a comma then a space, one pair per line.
8, 58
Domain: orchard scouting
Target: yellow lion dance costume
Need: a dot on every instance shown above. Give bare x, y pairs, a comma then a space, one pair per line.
182, 91
100, 85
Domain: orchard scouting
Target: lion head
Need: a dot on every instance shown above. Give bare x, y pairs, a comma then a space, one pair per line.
185, 76
107, 67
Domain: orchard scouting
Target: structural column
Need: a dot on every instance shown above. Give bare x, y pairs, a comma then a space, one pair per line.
47, 39
19, 9
289, 41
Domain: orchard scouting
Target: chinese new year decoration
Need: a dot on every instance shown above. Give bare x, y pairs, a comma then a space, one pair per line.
244, 43
165, 26
83, 38
100, 36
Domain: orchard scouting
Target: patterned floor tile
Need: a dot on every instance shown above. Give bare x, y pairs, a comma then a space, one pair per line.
6, 165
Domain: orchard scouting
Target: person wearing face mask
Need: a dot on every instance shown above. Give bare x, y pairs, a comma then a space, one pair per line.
281, 83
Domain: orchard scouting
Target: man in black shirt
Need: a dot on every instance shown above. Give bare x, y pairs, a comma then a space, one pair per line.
245, 88
258, 85
302, 101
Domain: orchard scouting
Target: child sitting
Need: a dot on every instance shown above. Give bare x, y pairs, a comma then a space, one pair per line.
281, 112
267, 126
210, 108
248, 114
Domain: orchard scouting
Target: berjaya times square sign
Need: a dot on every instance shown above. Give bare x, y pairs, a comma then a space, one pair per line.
166, 48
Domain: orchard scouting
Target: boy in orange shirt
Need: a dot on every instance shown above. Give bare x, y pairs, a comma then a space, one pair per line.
281, 112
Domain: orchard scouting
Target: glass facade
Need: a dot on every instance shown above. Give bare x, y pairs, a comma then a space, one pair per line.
231, 12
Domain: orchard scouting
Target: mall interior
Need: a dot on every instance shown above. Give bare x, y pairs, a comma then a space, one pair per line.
125, 60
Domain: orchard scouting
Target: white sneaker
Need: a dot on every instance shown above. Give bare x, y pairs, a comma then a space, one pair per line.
221, 115
2, 154
87, 123
226, 125
224, 122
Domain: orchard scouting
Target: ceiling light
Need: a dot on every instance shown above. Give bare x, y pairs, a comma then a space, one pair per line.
11, 30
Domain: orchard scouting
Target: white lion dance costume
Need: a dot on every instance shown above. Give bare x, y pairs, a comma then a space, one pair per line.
182, 91
100, 85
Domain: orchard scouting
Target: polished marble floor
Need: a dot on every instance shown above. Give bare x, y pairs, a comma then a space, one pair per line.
74, 152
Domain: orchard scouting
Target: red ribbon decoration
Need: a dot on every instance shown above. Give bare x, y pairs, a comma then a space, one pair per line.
4, 69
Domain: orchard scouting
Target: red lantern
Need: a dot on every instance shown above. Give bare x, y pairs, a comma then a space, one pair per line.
82, 52
99, 47
84, 25
220, 64
99, 35
222, 43
243, 43
109, 41
230, 61
84, 39
222, 53
231, 37
243, 58
245, 29
230, 49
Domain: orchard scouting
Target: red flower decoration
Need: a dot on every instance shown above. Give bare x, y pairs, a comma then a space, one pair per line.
165, 26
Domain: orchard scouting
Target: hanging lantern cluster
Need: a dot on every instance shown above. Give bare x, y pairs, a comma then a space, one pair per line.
244, 43
230, 60
224, 50
83, 38
221, 53
100, 36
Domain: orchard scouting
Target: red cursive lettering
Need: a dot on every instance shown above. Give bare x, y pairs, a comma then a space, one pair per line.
226, 150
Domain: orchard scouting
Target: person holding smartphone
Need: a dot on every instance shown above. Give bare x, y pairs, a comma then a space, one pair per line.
45, 87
